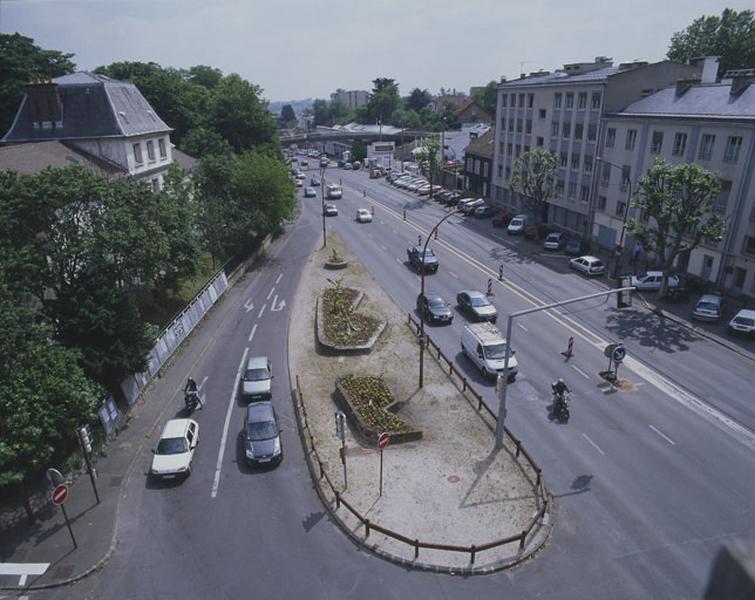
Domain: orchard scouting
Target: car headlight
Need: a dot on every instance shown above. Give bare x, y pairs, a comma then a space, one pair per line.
277, 446
249, 454
181, 469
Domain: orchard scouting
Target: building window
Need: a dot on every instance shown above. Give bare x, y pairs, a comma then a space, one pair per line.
566, 130
722, 202
539, 142
528, 126
519, 125
138, 154
631, 139
151, 150
584, 193
564, 159
733, 145
605, 175
611, 138
592, 132
559, 187
504, 101
513, 100
740, 275
680, 144
572, 190
602, 201
503, 123
161, 146
575, 161
657, 144
485, 169
569, 100
578, 131
582, 100
749, 246
541, 113
518, 150
557, 100
500, 171
588, 164
521, 100
554, 128
706, 147
530, 100
526, 148
620, 208
509, 149
596, 99
626, 173
508, 172
511, 123
500, 147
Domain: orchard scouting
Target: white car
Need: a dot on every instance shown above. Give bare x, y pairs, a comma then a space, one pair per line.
256, 384
172, 457
330, 210
517, 225
651, 281
589, 265
364, 216
743, 322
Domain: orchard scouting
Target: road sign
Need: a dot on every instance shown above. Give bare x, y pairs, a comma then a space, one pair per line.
618, 354
383, 439
59, 494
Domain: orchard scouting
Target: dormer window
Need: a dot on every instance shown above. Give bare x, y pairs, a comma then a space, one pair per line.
151, 150
138, 154
161, 145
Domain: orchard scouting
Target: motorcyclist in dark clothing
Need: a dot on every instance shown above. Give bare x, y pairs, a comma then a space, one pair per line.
191, 395
560, 388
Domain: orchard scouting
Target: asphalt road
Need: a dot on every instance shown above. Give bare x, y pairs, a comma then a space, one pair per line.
648, 483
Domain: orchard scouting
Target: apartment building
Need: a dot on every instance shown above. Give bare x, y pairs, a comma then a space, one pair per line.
478, 162
562, 112
350, 98
704, 122
102, 120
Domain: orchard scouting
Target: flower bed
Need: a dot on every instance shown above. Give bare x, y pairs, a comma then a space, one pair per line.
343, 326
368, 402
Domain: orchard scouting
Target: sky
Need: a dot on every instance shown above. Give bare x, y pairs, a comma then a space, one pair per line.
296, 49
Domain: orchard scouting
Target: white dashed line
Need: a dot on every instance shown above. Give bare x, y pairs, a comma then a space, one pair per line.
580, 371
593, 444
254, 329
264, 306
204, 380
452, 274
221, 450
270, 293
277, 281
663, 435
398, 260
383, 248
522, 327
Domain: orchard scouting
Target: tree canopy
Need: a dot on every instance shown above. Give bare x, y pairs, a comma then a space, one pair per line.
534, 177
730, 36
487, 97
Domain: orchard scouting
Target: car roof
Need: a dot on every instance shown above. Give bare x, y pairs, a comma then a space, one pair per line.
257, 362
589, 257
362, 210
745, 312
710, 298
487, 333
258, 412
433, 296
176, 428
473, 293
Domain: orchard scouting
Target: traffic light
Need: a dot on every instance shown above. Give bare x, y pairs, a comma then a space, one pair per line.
624, 298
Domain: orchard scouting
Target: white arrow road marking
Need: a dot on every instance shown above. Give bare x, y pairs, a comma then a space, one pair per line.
23, 570
254, 329
270, 293
594, 445
663, 435
277, 281
249, 305
275, 307
221, 450
262, 310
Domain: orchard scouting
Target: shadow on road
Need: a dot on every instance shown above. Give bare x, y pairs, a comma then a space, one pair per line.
649, 330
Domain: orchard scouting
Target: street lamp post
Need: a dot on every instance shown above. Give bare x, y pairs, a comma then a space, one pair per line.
422, 293
322, 206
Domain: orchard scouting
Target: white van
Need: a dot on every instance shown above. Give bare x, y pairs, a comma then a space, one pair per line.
334, 192
486, 347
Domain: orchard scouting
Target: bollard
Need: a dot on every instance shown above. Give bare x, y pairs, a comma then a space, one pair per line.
404, 214
364, 193
500, 272
490, 287
372, 210
436, 234
569, 348
472, 550
367, 528
419, 240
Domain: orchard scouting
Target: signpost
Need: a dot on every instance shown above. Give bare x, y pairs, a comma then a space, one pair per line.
615, 353
58, 497
383, 440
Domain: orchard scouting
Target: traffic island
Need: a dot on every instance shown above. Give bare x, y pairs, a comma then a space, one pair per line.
450, 502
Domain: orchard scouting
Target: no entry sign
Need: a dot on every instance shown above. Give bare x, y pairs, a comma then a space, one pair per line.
59, 494
383, 439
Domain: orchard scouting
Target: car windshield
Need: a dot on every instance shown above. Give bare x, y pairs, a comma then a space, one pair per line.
516, 222
172, 446
262, 430
553, 237
436, 302
596, 263
707, 306
496, 351
744, 321
478, 301
256, 374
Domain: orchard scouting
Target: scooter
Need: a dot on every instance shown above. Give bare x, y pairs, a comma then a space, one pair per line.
561, 404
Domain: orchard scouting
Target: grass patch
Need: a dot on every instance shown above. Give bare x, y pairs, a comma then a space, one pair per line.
343, 325
370, 397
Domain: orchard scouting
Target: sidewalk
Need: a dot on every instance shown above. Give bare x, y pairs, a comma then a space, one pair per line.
451, 487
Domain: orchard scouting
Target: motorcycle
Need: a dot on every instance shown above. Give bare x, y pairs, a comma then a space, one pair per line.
561, 404
191, 400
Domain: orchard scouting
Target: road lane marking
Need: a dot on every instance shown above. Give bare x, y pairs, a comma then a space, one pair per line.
277, 281
23, 570
383, 248
580, 371
398, 260
221, 450
594, 445
452, 274
254, 329
249, 305
270, 293
204, 380
262, 310
275, 307
522, 327
663, 435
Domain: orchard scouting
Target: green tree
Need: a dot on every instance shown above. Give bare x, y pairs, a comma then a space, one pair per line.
201, 142
321, 112
487, 97
384, 100
730, 36
44, 396
358, 150
534, 177
677, 203
428, 158
418, 99
22, 62
207, 77
287, 113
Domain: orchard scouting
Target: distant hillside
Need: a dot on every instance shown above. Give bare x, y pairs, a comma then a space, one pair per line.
298, 105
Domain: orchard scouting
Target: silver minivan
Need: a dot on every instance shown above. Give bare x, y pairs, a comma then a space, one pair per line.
708, 308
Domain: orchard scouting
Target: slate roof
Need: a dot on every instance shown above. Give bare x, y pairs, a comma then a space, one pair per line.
482, 146
186, 162
703, 101
561, 77
94, 106
34, 157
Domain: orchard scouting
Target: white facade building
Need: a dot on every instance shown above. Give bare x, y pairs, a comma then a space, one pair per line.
350, 98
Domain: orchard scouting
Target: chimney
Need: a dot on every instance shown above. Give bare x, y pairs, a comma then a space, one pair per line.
740, 80
709, 66
44, 104
682, 85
